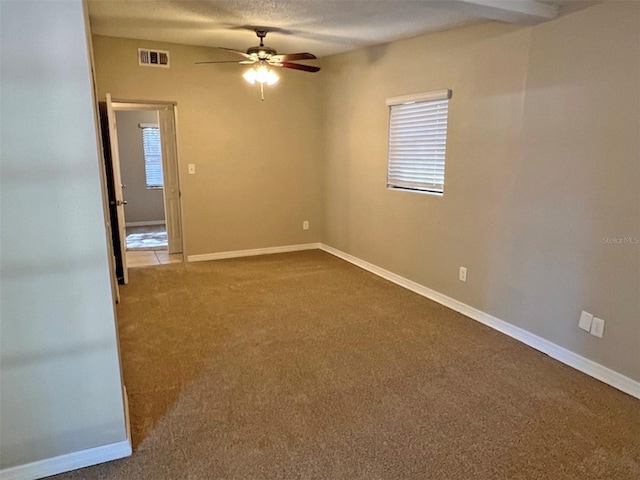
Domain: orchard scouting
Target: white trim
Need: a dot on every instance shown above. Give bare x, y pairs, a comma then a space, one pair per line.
591, 368
128, 105
250, 253
146, 223
75, 460
68, 462
127, 419
419, 97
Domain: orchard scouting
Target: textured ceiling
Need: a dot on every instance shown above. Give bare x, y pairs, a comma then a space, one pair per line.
323, 27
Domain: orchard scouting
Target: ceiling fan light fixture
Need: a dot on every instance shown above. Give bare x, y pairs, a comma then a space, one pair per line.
272, 77
261, 74
250, 76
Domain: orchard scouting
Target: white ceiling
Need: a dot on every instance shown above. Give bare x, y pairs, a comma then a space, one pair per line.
322, 27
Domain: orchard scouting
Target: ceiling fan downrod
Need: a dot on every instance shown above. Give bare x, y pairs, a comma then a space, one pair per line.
261, 34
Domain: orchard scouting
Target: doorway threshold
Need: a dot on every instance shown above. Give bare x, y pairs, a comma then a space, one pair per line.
149, 258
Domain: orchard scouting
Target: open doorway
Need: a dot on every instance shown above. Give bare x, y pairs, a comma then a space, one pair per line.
141, 172
144, 193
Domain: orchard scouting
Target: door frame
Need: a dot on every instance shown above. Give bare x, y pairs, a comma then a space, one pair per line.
133, 105
117, 202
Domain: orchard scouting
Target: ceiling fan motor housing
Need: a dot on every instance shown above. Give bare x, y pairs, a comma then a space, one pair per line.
262, 52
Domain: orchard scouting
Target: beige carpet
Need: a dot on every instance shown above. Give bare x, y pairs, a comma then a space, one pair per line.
301, 366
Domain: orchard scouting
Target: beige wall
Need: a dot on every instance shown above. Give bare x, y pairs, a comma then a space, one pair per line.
60, 375
542, 163
257, 163
578, 183
143, 204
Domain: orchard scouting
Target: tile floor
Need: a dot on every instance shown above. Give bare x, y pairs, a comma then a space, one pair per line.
146, 237
146, 258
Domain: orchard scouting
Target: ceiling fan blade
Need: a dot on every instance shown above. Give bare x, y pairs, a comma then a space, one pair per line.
245, 55
293, 56
298, 66
221, 61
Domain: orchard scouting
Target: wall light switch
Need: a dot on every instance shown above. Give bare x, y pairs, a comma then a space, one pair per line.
462, 275
192, 168
585, 321
597, 327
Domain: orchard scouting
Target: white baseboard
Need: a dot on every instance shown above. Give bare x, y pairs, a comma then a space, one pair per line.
75, 460
250, 253
127, 419
146, 223
589, 367
65, 463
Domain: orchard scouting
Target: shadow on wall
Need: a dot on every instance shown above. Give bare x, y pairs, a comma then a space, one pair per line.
376, 52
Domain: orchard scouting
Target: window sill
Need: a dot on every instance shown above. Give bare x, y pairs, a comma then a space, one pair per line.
415, 190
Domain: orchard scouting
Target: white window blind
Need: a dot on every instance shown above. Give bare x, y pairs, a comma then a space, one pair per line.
417, 141
152, 155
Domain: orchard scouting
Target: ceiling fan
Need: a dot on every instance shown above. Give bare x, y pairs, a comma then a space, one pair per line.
262, 58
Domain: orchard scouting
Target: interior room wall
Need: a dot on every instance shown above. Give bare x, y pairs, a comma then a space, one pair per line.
143, 204
575, 196
258, 164
60, 374
542, 168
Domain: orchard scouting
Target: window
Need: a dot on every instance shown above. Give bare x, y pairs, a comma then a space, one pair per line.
417, 141
152, 155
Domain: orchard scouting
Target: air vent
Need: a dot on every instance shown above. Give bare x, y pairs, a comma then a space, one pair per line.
153, 58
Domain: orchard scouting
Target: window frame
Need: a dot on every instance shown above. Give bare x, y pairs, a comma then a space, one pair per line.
428, 183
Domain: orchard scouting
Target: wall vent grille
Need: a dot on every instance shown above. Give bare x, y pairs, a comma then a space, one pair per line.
153, 58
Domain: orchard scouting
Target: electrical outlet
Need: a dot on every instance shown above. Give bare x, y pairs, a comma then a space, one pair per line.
305, 225
463, 274
585, 321
597, 327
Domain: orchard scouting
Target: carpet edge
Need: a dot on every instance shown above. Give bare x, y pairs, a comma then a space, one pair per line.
252, 252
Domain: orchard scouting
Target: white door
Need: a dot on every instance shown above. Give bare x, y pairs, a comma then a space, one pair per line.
117, 182
170, 176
